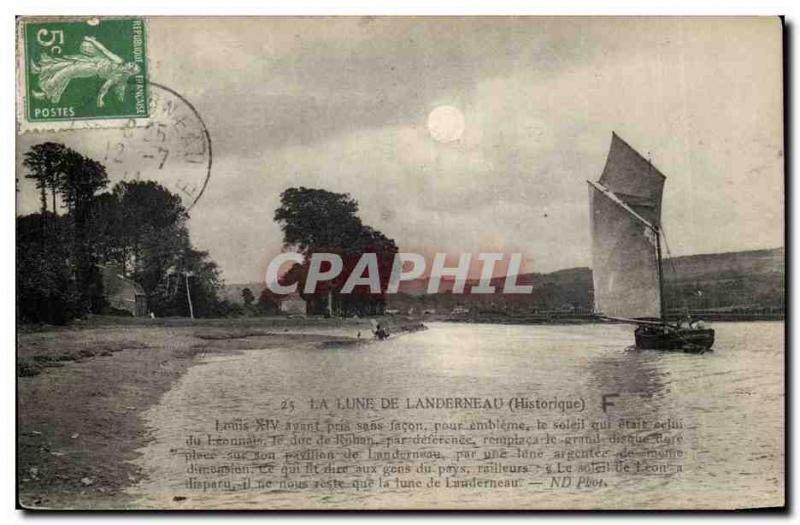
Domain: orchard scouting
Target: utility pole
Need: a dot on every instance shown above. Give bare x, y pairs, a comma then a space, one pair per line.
189, 295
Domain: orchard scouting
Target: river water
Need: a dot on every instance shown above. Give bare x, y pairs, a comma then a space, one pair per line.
726, 407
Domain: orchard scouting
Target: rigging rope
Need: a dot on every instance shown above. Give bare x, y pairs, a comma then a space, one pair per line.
672, 265
669, 254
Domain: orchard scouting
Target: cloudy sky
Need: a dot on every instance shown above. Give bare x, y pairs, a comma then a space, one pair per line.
344, 104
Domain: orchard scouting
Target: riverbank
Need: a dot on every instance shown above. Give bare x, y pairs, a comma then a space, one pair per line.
82, 390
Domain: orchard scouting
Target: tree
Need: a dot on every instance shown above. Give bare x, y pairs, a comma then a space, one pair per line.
46, 164
362, 301
153, 246
77, 179
312, 218
106, 228
139, 226
152, 233
80, 181
247, 296
315, 221
169, 297
46, 290
268, 303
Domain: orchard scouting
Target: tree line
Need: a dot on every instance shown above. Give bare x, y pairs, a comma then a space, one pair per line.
140, 227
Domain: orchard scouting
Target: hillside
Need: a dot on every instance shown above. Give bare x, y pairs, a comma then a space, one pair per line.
749, 280
739, 280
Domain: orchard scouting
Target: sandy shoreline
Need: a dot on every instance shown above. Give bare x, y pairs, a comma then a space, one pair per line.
81, 394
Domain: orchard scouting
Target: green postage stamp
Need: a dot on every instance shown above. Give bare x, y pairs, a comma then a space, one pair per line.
89, 69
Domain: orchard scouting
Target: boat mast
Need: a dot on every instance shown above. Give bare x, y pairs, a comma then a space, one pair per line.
657, 231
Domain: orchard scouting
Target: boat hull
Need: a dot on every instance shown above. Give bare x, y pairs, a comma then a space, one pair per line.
691, 340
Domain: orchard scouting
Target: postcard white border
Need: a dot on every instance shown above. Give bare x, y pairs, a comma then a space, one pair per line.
342, 7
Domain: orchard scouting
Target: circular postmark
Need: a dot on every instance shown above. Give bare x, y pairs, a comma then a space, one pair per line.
173, 148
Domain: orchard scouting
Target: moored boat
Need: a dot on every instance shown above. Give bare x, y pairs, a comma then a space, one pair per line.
674, 338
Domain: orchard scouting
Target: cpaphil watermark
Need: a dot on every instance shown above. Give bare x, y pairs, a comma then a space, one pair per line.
322, 269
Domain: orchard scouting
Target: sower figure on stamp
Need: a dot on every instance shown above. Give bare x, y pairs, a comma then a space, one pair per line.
55, 73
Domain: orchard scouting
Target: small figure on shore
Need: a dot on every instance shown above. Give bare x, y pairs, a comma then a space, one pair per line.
381, 333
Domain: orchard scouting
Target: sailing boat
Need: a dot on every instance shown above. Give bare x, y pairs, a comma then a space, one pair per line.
628, 278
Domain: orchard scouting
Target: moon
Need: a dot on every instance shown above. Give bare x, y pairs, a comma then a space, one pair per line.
446, 123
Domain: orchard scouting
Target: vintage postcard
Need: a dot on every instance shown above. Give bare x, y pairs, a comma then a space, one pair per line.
400, 263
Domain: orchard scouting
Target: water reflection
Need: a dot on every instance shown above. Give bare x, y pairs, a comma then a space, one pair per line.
721, 400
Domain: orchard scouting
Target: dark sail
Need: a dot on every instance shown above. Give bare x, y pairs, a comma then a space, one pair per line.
634, 180
625, 214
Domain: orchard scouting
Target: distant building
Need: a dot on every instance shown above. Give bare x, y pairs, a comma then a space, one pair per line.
122, 293
293, 303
